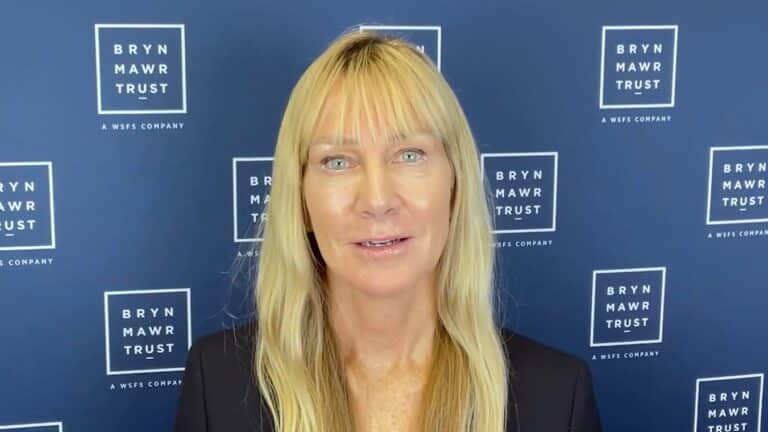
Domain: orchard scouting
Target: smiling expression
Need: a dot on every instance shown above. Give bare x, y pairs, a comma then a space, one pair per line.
377, 186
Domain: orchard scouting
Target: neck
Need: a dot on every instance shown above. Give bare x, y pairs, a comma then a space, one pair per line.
379, 334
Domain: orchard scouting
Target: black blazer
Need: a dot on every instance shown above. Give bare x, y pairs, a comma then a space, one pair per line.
551, 391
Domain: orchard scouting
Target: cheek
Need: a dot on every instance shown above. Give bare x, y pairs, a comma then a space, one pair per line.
430, 202
327, 204
430, 195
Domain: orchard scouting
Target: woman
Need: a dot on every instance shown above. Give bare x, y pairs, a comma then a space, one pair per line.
375, 278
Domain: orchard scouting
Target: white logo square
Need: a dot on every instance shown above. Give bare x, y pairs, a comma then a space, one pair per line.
517, 224
610, 336
761, 217
236, 198
181, 109
639, 97
111, 370
727, 398
51, 214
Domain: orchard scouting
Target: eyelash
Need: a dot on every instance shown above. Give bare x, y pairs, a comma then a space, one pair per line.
325, 160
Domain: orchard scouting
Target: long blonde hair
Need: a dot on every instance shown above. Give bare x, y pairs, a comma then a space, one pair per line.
296, 365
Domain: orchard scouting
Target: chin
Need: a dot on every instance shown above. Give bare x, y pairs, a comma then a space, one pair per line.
384, 289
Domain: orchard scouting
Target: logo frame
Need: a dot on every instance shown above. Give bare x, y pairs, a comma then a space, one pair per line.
182, 110
235, 160
556, 161
52, 215
712, 151
761, 376
659, 339
188, 296
671, 103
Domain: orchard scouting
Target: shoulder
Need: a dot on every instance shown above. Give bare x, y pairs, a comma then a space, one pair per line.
550, 386
226, 346
535, 357
224, 360
218, 390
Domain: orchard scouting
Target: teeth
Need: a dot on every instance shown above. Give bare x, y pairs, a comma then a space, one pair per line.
379, 244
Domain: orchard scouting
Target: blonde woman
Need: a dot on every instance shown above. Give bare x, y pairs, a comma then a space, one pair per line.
375, 283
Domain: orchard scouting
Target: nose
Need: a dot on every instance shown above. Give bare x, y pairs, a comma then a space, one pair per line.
378, 195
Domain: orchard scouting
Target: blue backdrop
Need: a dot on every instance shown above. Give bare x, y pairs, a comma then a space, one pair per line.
626, 146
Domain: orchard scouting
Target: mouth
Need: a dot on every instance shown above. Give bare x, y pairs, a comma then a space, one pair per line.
382, 243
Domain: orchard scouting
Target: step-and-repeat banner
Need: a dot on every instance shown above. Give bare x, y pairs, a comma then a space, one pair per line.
626, 145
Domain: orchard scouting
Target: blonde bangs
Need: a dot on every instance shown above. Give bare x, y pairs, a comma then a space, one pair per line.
383, 87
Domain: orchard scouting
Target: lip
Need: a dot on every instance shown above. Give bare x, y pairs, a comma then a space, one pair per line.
383, 239
380, 252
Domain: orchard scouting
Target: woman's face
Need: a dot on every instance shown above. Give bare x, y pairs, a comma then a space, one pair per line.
377, 188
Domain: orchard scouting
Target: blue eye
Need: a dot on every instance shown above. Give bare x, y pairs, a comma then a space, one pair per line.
338, 163
333, 158
418, 152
